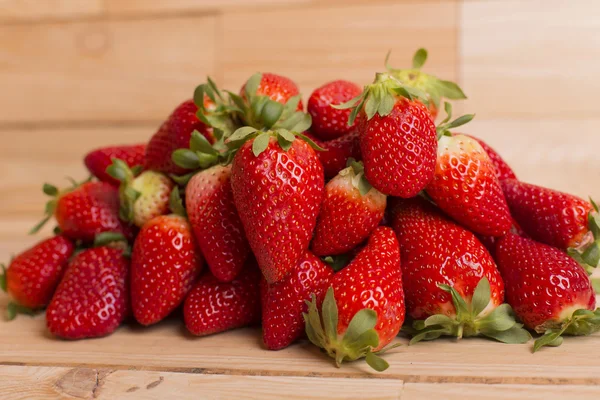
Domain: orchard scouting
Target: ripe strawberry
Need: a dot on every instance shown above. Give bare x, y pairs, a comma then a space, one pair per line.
435, 88
397, 137
490, 242
84, 211
465, 185
144, 197
216, 223
174, 134
368, 290
284, 302
548, 290
33, 275
451, 282
503, 171
557, 219
93, 297
329, 123
276, 87
214, 306
98, 160
164, 266
337, 152
277, 183
351, 210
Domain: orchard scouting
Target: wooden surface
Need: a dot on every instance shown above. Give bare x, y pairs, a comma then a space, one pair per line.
77, 74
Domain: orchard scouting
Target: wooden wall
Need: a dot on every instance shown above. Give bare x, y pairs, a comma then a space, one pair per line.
75, 74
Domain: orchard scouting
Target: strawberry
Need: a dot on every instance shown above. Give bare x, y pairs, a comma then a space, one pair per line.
277, 183
93, 297
557, 219
548, 290
173, 134
98, 160
33, 275
351, 210
363, 310
490, 242
284, 302
214, 306
216, 223
276, 87
435, 88
451, 282
329, 123
144, 197
503, 170
337, 152
85, 210
397, 136
164, 266
465, 185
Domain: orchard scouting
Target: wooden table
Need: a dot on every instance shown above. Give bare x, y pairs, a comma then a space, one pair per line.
165, 362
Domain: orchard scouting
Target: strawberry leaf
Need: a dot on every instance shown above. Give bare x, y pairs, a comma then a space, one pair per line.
481, 297
270, 113
551, 338
260, 144
376, 362
176, 202
50, 190
330, 316
252, 85
12, 309
419, 58
3, 283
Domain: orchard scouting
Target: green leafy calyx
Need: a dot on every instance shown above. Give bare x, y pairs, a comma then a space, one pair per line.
582, 323
588, 254
435, 88
443, 128
356, 171
358, 341
3, 282
176, 203
380, 97
13, 309
472, 319
120, 171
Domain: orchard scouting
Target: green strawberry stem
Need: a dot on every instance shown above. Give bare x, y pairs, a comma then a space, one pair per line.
588, 255
471, 319
358, 341
435, 88
443, 128
380, 97
582, 323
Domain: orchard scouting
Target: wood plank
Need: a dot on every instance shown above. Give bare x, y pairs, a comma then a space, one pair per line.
315, 45
531, 59
167, 347
136, 70
136, 7
106, 384
559, 154
35, 10
416, 391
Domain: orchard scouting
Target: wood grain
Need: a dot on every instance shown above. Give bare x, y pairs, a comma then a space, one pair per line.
136, 70
313, 46
106, 384
531, 59
35, 10
167, 347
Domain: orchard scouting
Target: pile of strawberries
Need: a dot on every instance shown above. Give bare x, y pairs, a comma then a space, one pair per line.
345, 224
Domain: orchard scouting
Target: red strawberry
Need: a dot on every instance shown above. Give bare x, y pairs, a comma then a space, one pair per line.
33, 275
174, 134
97, 161
84, 211
548, 290
338, 152
216, 223
451, 281
277, 192
368, 289
329, 123
143, 197
435, 88
214, 306
397, 137
284, 302
557, 219
351, 210
276, 87
93, 297
465, 185
490, 242
503, 171
164, 266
